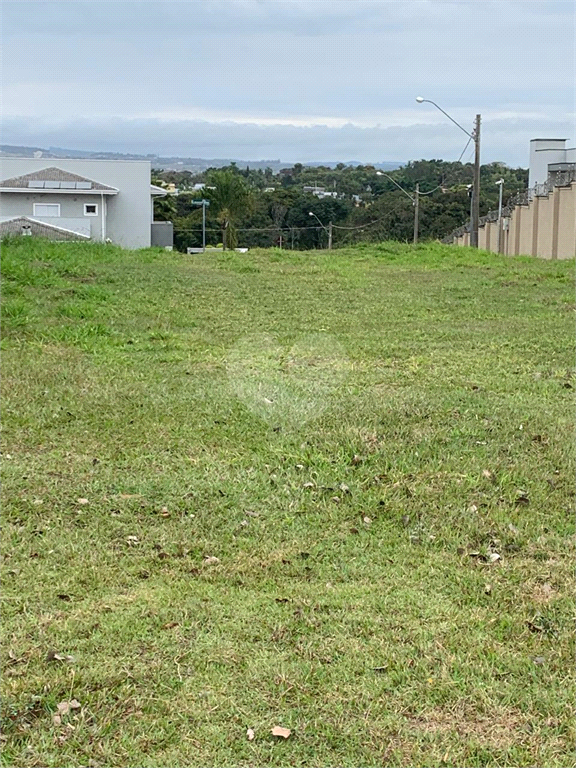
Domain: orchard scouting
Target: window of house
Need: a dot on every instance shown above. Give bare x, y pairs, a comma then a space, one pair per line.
47, 209
90, 209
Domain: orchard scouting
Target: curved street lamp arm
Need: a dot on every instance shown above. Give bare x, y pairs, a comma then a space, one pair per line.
316, 217
381, 173
449, 118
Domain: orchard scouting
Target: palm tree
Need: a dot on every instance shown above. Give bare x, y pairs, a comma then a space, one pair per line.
231, 198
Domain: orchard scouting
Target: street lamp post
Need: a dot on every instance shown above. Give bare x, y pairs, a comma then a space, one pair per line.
416, 212
475, 136
500, 184
327, 229
470, 188
204, 204
415, 201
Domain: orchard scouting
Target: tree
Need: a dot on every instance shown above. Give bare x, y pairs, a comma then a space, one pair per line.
231, 199
164, 208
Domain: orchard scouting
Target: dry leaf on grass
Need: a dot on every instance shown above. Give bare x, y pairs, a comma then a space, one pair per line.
82, 501
512, 528
250, 734
64, 707
279, 731
54, 656
14, 659
210, 560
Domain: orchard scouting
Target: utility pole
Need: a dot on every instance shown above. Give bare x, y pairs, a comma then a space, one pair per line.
204, 204
500, 184
415, 200
476, 187
203, 227
416, 212
327, 229
475, 137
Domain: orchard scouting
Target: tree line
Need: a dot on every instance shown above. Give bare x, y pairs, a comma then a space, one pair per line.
260, 208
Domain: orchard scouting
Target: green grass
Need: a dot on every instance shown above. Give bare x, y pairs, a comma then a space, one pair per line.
424, 414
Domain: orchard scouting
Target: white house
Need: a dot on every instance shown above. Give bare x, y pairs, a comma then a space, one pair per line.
549, 156
81, 199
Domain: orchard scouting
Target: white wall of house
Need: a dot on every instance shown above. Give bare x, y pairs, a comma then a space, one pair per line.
70, 210
129, 217
542, 153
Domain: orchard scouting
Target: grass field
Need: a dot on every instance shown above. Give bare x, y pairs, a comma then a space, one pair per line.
331, 492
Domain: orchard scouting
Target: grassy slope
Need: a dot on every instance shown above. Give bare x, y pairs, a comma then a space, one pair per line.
457, 397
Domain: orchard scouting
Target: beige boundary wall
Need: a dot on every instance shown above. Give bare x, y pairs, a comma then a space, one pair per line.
546, 227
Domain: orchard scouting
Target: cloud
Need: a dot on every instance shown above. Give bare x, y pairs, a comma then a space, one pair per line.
504, 140
291, 63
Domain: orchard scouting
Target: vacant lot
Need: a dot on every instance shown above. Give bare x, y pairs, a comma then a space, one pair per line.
328, 492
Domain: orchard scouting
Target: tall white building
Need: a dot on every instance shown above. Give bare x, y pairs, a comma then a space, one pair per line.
549, 156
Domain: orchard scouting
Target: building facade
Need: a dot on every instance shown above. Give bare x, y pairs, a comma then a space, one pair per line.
549, 156
541, 221
96, 199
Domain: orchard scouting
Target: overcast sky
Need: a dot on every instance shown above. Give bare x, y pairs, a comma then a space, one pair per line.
296, 80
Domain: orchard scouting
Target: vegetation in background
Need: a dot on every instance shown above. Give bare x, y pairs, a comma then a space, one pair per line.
391, 581
368, 207
230, 198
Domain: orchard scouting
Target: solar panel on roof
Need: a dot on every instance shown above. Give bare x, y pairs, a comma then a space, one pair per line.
83, 185
35, 184
51, 185
67, 185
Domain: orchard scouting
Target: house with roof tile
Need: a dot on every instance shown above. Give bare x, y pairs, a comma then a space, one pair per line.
67, 199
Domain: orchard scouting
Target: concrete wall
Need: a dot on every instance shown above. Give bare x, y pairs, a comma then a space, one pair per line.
566, 212
129, 217
546, 227
525, 233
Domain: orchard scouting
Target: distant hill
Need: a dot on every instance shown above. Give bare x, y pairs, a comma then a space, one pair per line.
194, 164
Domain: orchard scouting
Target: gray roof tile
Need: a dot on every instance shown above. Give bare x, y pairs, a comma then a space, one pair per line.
51, 175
